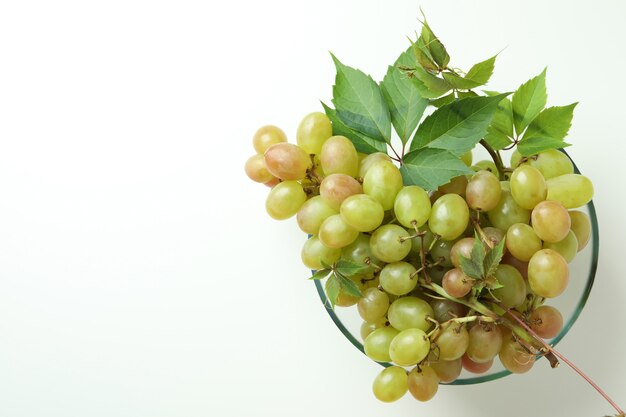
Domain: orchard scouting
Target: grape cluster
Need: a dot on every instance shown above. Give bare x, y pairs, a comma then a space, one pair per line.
418, 301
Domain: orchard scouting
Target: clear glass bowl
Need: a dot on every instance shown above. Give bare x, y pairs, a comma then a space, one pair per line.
570, 303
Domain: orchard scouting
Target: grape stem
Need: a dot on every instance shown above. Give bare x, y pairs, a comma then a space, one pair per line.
497, 159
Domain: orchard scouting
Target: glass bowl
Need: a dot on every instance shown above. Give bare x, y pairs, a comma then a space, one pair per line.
570, 303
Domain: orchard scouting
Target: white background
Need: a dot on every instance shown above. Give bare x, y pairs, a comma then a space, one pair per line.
139, 273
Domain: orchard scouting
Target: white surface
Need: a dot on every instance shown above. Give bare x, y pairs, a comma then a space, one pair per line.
139, 273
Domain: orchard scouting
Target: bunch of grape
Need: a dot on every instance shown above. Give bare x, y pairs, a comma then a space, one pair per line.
427, 305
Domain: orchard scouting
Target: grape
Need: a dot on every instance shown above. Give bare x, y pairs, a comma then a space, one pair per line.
528, 187
456, 283
256, 170
449, 216
551, 221
485, 341
271, 183
467, 158
267, 136
485, 166
362, 212
423, 383
338, 156
287, 161
391, 384
452, 342
522, 241
390, 243
457, 185
436, 273
548, 273
335, 233
442, 252
284, 200
566, 247
445, 310
516, 158
373, 305
581, 226
475, 367
368, 327
409, 347
462, 247
398, 278
344, 299
483, 191
410, 313
514, 358
571, 190
359, 252
312, 214
507, 212
521, 266
335, 188
314, 253
447, 371
493, 235
513, 291
416, 244
383, 181
313, 131
412, 206
369, 160
546, 321
376, 345
552, 163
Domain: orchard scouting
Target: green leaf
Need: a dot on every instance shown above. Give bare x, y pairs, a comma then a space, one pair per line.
471, 269
405, 102
435, 47
481, 73
478, 254
348, 269
442, 101
321, 274
332, 287
458, 82
493, 258
360, 103
458, 126
529, 99
500, 130
430, 168
534, 145
423, 55
348, 286
553, 122
361, 142
466, 94
429, 85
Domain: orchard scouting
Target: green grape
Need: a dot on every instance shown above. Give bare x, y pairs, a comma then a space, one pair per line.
383, 181
442, 252
522, 241
447, 371
449, 216
571, 190
287, 161
359, 252
398, 278
548, 273
416, 244
391, 384
467, 158
423, 383
462, 247
566, 247
551, 221
528, 187
516, 158
483, 191
445, 309
493, 235
338, 156
267, 136
436, 273
521, 266
335, 188
373, 305
368, 327
581, 226
475, 367
369, 160
335, 233
457, 185
456, 283
546, 321
513, 291
410, 313
390, 243
412, 206
256, 170
284, 200
362, 212
552, 163
507, 212
514, 358
485, 165
452, 342
313, 213
313, 131
485, 341
314, 253
409, 347
376, 345
344, 299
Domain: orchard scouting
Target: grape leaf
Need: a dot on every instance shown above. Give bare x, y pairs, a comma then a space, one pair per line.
348, 269
405, 102
332, 287
529, 99
534, 145
348, 286
429, 85
478, 254
361, 142
553, 122
435, 47
430, 168
458, 126
493, 258
360, 103
470, 268
442, 101
321, 274
423, 55
500, 130
478, 75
